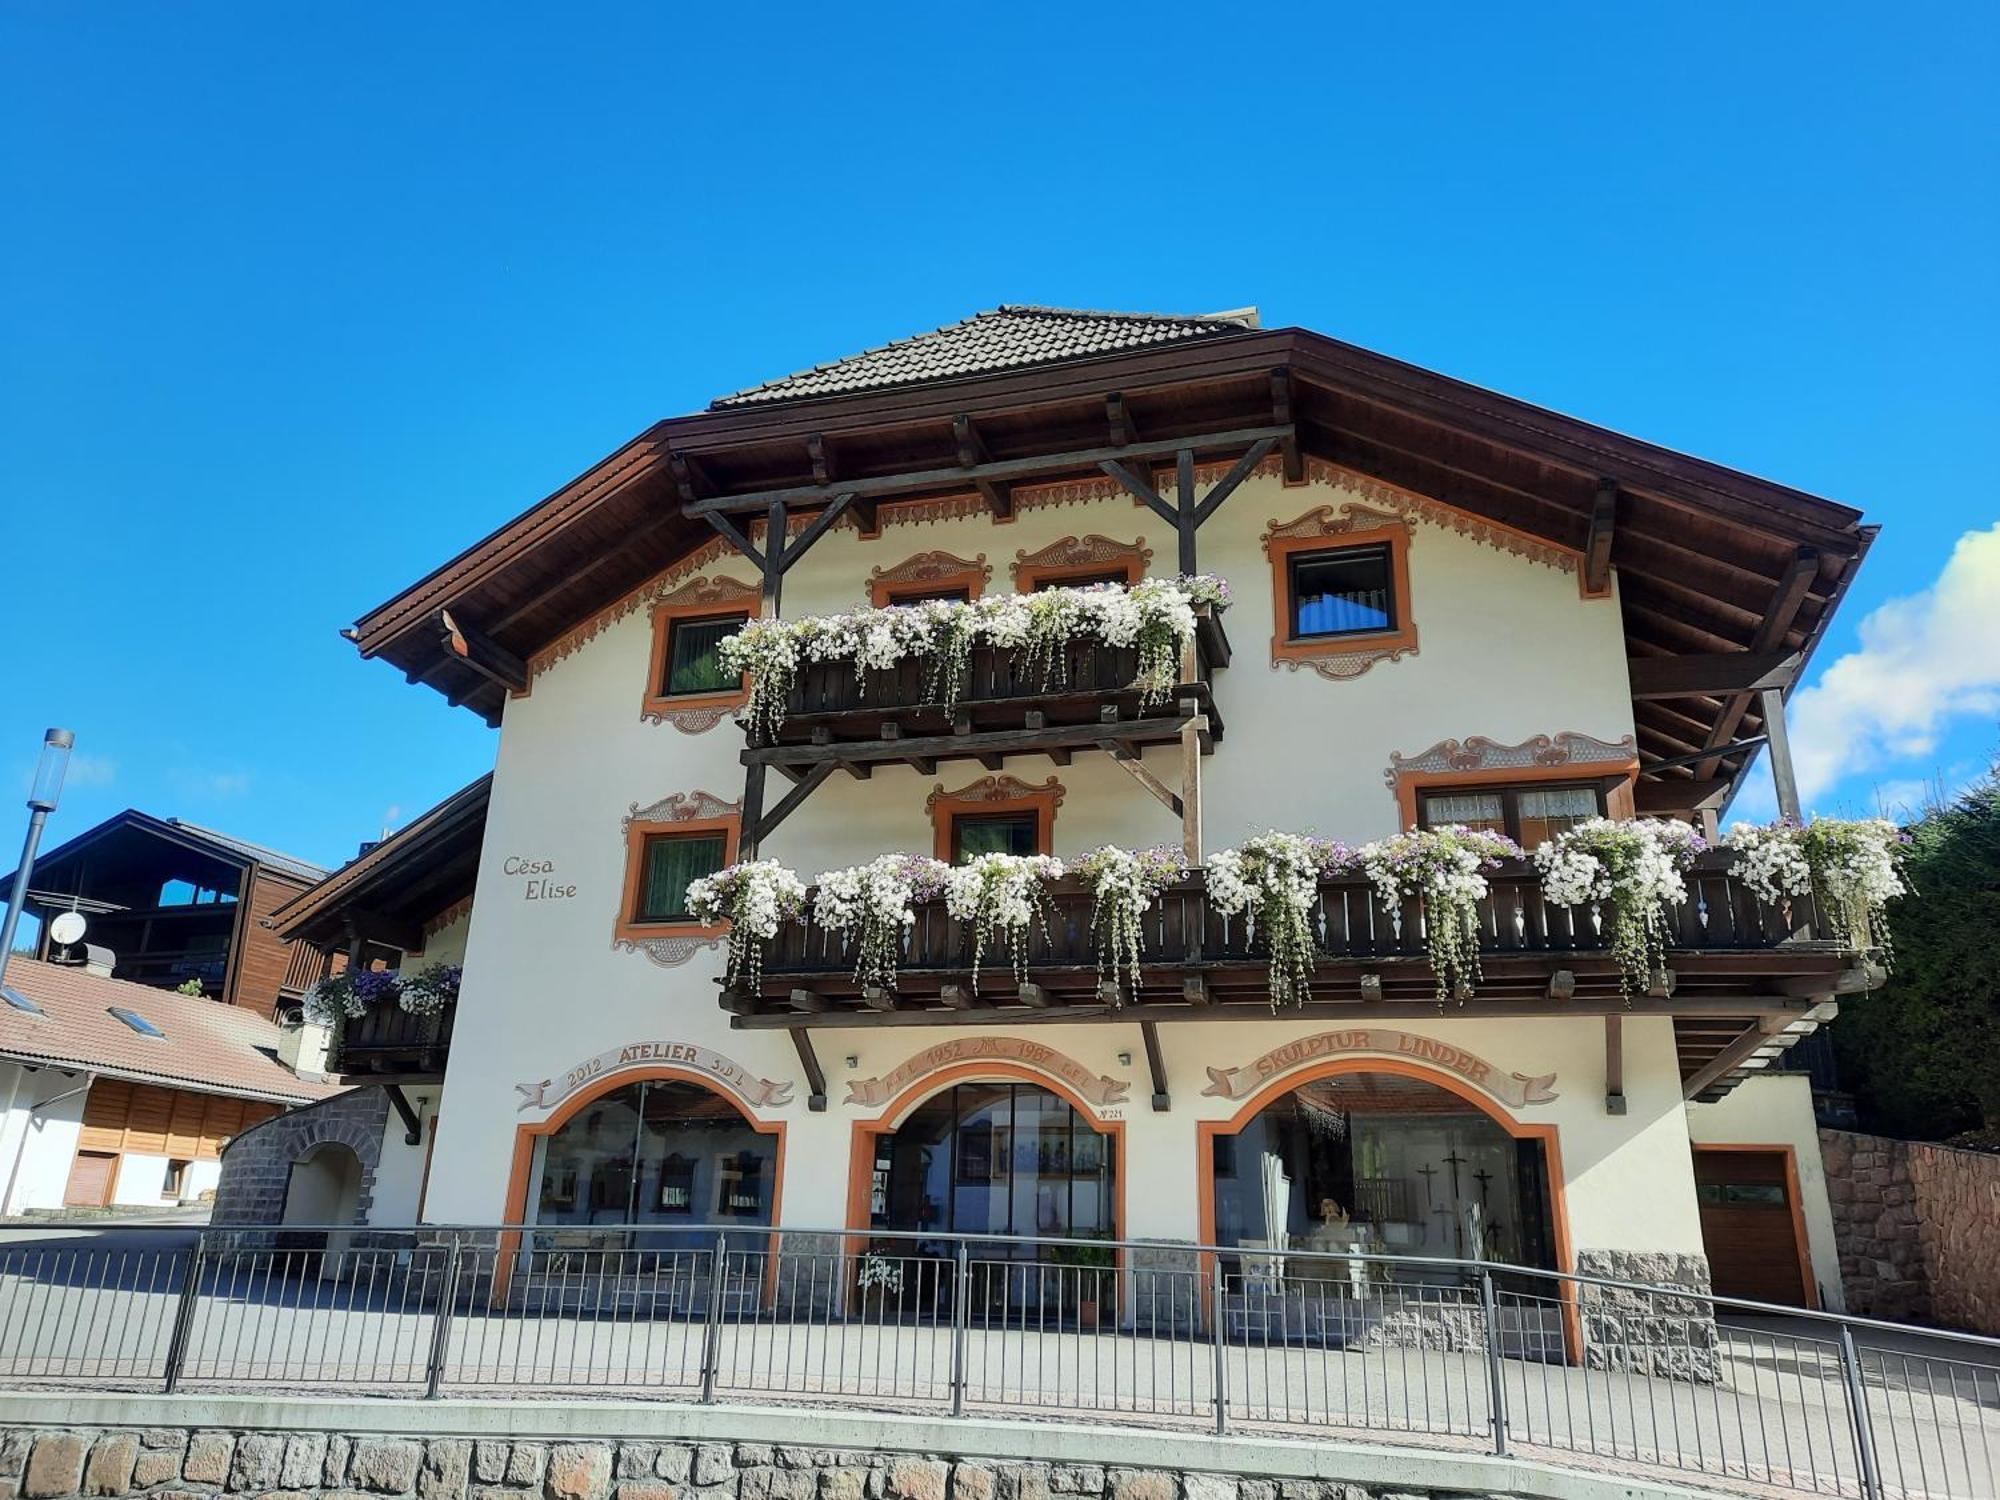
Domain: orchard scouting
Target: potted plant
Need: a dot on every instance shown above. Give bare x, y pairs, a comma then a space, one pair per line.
1096, 1278
878, 1279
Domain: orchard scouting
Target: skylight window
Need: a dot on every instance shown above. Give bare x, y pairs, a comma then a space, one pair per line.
20, 1001
137, 1022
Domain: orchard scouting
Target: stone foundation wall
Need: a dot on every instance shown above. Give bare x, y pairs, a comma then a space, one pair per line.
1648, 1333
1918, 1229
181, 1464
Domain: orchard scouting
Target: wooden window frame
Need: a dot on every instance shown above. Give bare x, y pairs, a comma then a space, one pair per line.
1612, 782
659, 702
928, 574
631, 927
1283, 549
1509, 791
994, 796
1030, 578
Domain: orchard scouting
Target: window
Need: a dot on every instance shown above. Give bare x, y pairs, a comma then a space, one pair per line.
672, 862
1002, 833
920, 593
1350, 591
1120, 576
1529, 815
137, 1022
176, 1174
694, 656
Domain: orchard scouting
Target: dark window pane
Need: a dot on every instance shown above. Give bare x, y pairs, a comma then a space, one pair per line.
1342, 593
694, 664
1016, 833
673, 860
959, 595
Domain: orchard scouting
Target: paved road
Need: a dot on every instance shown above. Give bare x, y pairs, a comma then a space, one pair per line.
1776, 1413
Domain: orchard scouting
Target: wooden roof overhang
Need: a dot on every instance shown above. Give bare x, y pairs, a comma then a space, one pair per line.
387, 894
1711, 562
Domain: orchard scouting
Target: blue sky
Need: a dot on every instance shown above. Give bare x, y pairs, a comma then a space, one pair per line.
300, 301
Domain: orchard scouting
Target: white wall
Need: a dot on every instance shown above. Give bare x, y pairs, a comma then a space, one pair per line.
399, 1173
1508, 650
1776, 1109
38, 1146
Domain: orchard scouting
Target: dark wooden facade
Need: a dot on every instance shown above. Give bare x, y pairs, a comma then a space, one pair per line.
174, 903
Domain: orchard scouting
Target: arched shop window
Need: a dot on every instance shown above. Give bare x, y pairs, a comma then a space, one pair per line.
659, 1152
1380, 1163
996, 1158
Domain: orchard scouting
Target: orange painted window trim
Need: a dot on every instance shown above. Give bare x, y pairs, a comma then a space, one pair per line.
523, 1167
630, 928
1287, 647
1549, 1135
665, 617
1792, 1200
946, 809
885, 588
1617, 798
861, 1149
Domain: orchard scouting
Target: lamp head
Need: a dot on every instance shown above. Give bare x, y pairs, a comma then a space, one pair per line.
49, 773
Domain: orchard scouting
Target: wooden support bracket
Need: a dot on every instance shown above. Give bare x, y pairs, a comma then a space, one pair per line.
1614, 1065
413, 1128
488, 658
809, 1064
1156, 1065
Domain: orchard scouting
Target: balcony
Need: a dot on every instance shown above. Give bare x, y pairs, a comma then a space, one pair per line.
388, 1044
1730, 952
836, 717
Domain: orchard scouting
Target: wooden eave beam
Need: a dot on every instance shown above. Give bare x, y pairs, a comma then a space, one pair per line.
481, 653
1739, 1051
1597, 545
1712, 675
1786, 603
936, 481
1283, 414
1683, 796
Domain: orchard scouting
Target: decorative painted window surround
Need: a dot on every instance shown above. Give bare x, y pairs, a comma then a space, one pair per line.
697, 599
1322, 529
680, 813
1478, 762
927, 575
994, 794
1074, 558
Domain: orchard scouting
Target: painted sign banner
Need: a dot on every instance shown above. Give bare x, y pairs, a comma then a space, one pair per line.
1517, 1089
723, 1071
1096, 1088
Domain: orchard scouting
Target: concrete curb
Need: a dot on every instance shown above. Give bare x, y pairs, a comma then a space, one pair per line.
1304, 1457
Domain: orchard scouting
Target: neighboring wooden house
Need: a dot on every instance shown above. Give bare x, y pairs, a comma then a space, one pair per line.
170, 901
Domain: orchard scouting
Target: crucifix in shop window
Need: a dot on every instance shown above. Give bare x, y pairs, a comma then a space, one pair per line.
1427, 1172
1484, 1178
1455, 1161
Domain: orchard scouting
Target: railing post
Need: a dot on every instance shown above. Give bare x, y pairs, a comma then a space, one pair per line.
1857, 1405
711, 1341
1496, 1387
441, 1324
961, 1315
1218, 1323
183, 1332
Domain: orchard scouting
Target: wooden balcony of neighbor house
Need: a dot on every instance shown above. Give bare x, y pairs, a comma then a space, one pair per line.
387, 1044
1737, 969
837, 716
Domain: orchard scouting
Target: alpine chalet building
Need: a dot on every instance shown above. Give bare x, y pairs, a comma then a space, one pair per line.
1439, 609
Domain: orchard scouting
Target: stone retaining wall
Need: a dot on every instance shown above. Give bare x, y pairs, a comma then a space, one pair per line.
257, 1165
1918, 1229
179, 1464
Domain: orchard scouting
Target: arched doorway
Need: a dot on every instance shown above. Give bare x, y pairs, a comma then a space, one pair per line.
323, 1189
1378, 1160
997, 1156
659, 1152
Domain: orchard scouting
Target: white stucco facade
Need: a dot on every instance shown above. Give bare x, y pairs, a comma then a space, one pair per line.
1509, 649
38, 1134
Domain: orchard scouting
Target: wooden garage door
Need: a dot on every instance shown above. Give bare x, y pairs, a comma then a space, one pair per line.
90, 1179
1749, 1226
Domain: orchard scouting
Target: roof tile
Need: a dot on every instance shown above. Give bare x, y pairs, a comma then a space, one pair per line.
1008, 337
208, 1046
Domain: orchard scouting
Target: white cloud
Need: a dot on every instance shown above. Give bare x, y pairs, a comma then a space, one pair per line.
215, 785
1924, 661
86, 769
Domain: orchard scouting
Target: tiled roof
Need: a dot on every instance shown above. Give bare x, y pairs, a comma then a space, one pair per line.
209, 1046
284, 864
1006, 338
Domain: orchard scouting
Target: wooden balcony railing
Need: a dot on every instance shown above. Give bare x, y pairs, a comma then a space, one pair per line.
998, 693
390, 1043
1724, 941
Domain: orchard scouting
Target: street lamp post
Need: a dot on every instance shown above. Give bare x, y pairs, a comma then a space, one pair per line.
42, 799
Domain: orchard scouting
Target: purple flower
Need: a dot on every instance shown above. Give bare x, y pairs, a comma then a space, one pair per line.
374, 984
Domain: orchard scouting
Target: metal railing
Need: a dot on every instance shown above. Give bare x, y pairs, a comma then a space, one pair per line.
1462, 1354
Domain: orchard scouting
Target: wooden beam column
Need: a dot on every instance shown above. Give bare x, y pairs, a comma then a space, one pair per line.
1156, 1065
1188, 511
1771, 706
815, 1074
1614, 1065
